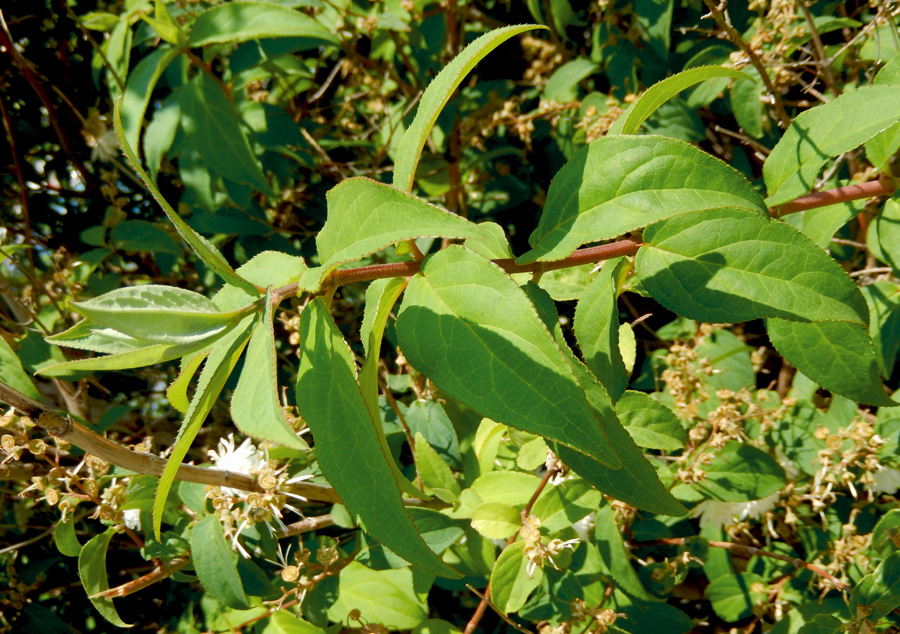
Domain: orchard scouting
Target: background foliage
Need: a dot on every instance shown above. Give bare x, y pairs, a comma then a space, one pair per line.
268, 108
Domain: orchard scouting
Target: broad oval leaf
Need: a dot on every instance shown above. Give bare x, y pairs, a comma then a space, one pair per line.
838, 355
566, 503
158, 314
618, 184
66, 540
496, 520
242, 21
739, 473
92, 572
659, 93
826, 131
511, 583
597, 329
346, 441
878, 593
470, 329
650, 423
436, 97
255, 407
216, 563
204, 249
365, 216
395, 598
731, 265
734, 596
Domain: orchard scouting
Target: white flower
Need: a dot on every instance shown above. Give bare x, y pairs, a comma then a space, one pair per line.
132, 519
245, 459
585, 526
719, 514
886, 480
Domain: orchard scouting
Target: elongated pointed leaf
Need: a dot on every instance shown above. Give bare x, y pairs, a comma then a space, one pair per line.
731, 265
597, 329
838, 355
636, 481
223, 356
380, 299
826, 131
213, 128
365, 216
216, 563
158, 314
204, 249
92, 571
436, 97
470, 329
177, 391
141, 82
659, 93
618, 184
255, 407
346, 441
242, 21
87, 335
151, 354
13, 374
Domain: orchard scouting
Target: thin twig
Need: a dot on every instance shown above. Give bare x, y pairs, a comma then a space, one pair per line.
157, 574
834, 196
822, 61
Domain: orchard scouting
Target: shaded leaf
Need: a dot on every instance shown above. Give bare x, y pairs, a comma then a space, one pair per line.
733, 597
216, 563
650, 423
510, 582
394, 598
566, 503
242, 21
92, 572
739, 473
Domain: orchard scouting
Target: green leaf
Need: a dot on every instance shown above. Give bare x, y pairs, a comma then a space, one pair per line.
436, 97
160, 134
661, 92
12, 373
597, 328
820, 225
510, 582
883, 298
394, 598
739, 473
747, 105
733, 597
511, 487
823, 624
92, 572
562, 505
838, 355
213, 128
650, 423
883, 235
496, 520
216, 563
140, 85
204, 249
435, 473
562, 86
730, 265
177, 391
140, 235
615, 557
346, 440
65, 539
222, 358
618, 184
636, 481
500, 362
823, 132
532, 454
255, 407
150, 354
242, 21
365, 216
86, 335
159, 314
878, 594
285, 622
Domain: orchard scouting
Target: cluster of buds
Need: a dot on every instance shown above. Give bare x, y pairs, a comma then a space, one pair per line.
536, 550
602, 617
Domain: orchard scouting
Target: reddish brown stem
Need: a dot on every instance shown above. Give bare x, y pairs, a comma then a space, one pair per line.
834, 196
157, 574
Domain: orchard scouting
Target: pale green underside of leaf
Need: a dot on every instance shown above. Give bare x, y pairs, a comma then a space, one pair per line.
204, 249
634, 116
597, 330
837, 355
12, 373
92, 571
242, 21
215, 563
826, 131
365, 216
471, 330
436, 97
177, 391
618, 184
158, 314
255, 408
636, 481
346, 441
221, 361
141, 82
269, 268
730, 265
138, 358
